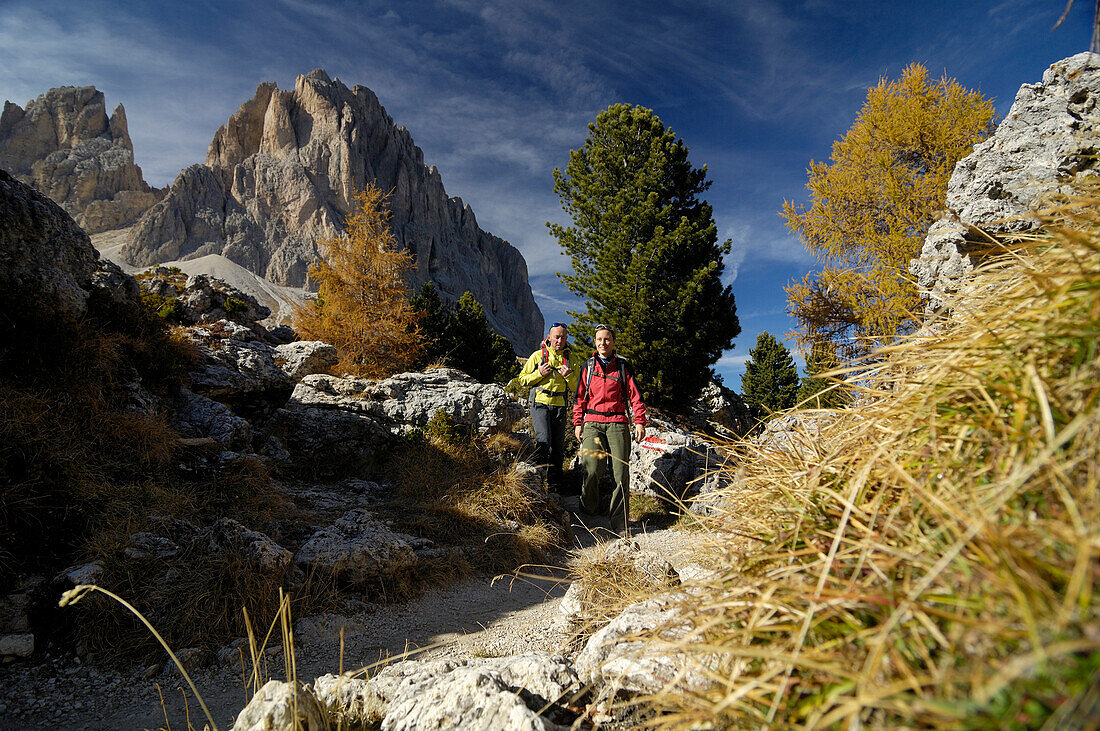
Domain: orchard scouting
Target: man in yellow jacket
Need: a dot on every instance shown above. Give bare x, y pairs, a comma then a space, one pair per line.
551, 372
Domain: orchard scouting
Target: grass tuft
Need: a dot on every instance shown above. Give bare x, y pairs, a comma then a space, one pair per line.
928, 558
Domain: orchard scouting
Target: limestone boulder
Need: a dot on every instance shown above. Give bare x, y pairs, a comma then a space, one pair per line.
480, 693
305, 358
196, 417
210, 299
352, 701
168, 537
262, 553
673, 464
616, 659
796, 432
205, 299
16, 645
43, 253
356, 549
236, 364
325, 441
722, 411
1049, 136
409, 400
110, 278
278, 706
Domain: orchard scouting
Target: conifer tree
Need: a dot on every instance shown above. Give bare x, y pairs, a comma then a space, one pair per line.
872, 204
462, 338
822, 393
479, 351
362, 305
645, 252
770, 381
435, 323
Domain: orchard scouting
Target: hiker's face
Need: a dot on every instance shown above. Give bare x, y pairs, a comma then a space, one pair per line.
557, 337
605, 343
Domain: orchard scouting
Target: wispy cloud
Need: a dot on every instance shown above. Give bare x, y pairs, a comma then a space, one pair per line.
729, 361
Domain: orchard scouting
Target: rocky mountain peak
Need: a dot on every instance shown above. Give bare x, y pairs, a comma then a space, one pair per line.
281, 175
64, 144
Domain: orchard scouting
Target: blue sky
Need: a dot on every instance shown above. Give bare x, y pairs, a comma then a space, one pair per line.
496, 93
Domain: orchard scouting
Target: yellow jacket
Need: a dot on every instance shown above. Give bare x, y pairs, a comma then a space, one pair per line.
552, 389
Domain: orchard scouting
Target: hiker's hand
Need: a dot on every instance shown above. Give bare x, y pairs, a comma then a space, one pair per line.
578, 432
639, 432
545, 369
565, 370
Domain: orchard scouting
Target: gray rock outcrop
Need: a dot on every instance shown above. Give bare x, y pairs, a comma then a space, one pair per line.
480, 693
43, 253
412, 399
64, 144
672, 463
305, 358
168, 537
235, 364
1050, 135
282, 707
16, 638
616, 659
330, 423
197, 417
281, 176
356, 549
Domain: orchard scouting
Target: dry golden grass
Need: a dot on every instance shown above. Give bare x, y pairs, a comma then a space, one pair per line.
931, 559
457, 489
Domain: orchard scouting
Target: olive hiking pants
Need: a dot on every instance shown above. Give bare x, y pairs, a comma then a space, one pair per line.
614, 439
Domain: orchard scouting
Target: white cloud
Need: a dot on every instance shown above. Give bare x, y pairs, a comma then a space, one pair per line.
732, 361
561, 303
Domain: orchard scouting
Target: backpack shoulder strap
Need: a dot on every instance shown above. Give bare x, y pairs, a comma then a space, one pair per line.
624, 392
589, 365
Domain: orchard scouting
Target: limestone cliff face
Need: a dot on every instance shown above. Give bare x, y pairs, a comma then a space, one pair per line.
281, 175
65, 145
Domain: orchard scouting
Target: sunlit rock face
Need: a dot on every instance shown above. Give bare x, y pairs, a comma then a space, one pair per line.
281, 176
1049, 136
65, 145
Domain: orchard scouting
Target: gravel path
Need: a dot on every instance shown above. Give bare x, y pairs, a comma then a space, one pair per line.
476, 617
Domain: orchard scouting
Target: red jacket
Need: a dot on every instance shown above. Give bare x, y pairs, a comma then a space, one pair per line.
607, 395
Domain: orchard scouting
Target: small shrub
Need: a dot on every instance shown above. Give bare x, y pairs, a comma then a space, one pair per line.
166, 308
235, 306
444, 431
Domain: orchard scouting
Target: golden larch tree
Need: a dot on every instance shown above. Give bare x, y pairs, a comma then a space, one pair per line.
872, 204
362, 305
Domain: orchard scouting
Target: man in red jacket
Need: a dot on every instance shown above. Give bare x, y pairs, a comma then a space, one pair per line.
606, 390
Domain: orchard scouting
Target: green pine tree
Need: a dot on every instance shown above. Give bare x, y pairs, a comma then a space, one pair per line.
822, 393
461, 337
435, 320
770, 381
645, 252
478, 350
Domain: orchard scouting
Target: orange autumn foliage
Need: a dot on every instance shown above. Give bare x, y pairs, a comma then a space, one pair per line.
362, 304
872, 203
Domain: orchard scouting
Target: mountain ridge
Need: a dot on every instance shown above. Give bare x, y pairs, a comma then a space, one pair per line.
281, 175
